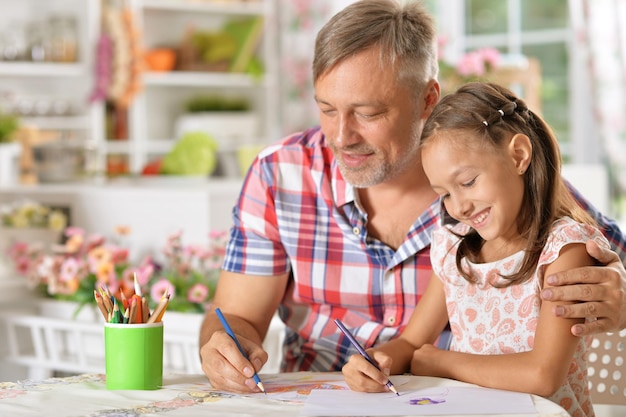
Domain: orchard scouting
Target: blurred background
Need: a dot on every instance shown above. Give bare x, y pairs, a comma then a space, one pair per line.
141, 90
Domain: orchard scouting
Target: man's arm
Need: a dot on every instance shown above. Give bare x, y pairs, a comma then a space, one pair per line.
248, 303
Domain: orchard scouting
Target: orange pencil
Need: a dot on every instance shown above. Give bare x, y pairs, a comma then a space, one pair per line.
133, 311
125, 301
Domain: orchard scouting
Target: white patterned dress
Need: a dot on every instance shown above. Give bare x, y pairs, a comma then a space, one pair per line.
493, 321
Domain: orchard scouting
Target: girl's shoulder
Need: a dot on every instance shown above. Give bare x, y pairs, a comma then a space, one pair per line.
570, 228
565, 231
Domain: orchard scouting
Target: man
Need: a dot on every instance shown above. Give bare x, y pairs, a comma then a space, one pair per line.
336, 223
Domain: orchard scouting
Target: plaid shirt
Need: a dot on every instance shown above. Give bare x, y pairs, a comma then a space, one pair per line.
296, 214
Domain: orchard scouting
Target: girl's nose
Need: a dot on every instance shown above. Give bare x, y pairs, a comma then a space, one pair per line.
462, 208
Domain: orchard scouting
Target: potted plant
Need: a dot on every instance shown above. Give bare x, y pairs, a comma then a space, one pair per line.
9, 149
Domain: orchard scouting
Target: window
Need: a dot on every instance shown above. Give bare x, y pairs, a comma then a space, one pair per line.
537, 28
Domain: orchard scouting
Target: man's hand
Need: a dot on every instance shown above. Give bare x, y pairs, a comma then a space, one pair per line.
599, 290
226, 367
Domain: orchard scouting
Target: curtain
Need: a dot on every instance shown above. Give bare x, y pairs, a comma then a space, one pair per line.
600, 33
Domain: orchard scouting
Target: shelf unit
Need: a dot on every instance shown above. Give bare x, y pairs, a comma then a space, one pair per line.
153, 113
45, 82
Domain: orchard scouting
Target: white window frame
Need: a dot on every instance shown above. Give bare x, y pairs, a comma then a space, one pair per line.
582, 147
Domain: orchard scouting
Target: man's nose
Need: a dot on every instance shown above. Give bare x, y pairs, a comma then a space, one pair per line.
345, 131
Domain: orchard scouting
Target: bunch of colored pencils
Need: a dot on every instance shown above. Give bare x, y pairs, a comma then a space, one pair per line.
129, 311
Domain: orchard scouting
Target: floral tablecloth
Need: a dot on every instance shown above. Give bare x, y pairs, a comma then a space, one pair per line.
187, 395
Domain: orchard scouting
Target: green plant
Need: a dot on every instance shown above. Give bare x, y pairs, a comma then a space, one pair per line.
8, 125
199, 104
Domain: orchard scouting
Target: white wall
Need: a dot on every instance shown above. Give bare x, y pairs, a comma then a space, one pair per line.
592, 181
153, 210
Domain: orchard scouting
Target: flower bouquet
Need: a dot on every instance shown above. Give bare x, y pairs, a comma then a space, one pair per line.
474, 65
84, 262
189, 273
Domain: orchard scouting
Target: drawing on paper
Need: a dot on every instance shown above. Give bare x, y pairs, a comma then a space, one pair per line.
433, 398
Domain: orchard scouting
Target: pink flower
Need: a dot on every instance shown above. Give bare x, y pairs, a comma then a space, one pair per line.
471, 64
145, 272
159, 288
73, 231
22, 265
119, 255
217, 234
18, 249
478, 62
491, 57
198, 293
69, 269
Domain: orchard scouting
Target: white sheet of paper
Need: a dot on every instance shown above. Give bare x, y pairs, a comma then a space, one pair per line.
436, 401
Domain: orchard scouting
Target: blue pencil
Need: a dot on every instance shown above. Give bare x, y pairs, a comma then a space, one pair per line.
229, 331
362, 352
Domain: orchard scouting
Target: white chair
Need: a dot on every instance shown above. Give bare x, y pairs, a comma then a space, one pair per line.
607, 374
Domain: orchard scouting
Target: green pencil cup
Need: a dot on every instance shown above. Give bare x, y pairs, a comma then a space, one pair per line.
133, 356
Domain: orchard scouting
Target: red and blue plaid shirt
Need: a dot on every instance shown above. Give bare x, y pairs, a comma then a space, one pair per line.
296, 214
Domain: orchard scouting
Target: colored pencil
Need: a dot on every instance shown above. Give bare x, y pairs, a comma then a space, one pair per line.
145, 310
138, 316
100, 303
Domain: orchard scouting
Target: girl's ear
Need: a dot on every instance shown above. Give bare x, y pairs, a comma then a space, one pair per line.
521, 150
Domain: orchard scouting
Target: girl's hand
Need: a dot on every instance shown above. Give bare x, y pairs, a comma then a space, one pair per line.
424, 362
362, 376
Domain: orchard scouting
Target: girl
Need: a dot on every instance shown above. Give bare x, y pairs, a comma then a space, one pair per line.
496, 166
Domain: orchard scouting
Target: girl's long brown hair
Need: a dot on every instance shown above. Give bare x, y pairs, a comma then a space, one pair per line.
493, 114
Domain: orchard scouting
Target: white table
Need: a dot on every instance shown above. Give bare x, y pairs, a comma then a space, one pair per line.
183, 395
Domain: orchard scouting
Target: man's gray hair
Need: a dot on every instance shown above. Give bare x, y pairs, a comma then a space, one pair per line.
404, 32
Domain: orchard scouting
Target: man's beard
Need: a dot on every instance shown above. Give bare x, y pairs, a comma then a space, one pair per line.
382, 171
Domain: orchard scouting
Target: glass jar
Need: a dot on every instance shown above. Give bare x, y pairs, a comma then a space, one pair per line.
63, 38
38, 47
12, 43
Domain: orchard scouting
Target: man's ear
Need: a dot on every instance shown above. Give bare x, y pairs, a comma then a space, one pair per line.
432, 94
521, 150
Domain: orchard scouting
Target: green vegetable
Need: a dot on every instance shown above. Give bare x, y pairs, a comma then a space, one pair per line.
194, 154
